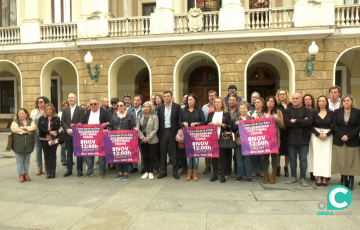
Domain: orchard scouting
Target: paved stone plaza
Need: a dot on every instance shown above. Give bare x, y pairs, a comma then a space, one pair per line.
94, 203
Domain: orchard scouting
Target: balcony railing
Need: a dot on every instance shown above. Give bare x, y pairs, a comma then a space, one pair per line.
9, 35
347, 16
276, 18
210, 22
58, 32
120, 27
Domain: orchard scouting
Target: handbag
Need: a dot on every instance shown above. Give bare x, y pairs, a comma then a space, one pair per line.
9, 143
61, 137
227, 140
180, 136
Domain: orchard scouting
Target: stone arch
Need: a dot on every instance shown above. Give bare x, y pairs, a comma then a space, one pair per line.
281, 54
46, 73
179, 64
115, 67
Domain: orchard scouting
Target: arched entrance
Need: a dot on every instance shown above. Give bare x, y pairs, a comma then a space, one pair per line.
129, 74
190, 68
262, 80
346, 71
280, 65
58, 79
10, 95
201, 81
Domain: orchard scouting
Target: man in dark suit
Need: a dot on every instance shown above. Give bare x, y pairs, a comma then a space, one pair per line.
71, 115
96, 115
169, 114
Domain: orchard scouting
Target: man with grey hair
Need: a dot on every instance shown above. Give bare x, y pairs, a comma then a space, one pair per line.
255, 95
71, 115
96, 115
298, 120
135, 112
208, 108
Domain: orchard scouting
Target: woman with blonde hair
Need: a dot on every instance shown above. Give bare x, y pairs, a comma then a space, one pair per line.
49, 125
346, 142
221, 118
23, 128
283, 101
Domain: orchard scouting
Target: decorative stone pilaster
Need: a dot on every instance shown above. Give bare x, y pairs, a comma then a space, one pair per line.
162, 20
316, 13
232, 15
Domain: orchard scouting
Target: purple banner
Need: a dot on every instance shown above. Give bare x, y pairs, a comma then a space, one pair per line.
121, 146
258, 136
88, 140
201, 141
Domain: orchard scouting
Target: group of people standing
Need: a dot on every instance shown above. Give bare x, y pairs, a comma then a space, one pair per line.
324, 134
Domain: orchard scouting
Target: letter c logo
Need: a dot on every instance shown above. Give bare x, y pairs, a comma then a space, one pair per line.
343, 195
332, 198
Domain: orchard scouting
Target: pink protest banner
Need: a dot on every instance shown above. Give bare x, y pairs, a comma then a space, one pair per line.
88, 140
201, 141
258, 136
121, 146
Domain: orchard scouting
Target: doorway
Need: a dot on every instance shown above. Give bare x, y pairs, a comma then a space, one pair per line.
201, 81
262, 80
144, 86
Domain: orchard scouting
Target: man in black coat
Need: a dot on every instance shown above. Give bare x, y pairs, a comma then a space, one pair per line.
298, 120
96, 115
71, 115
168, 114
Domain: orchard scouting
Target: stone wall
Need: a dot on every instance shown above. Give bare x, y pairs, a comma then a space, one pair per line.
232, 58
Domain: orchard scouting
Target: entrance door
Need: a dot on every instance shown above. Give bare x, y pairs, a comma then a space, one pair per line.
55, 94
201, 81
261, 80
144, 89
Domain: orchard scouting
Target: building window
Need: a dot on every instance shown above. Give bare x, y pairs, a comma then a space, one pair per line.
7, 96
205, 5
61, 11
351, 2
148, 8
8, 13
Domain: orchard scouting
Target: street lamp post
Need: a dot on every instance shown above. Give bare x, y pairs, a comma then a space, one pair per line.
88, 59
310, 60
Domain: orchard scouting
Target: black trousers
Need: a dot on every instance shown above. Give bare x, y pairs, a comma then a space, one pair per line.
148, 151
225, 160
49, 156
168, 141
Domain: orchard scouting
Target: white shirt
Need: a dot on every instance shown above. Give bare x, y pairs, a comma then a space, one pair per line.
72, 109
137, 110
218, 118
333, 107
127, 108
94, 118
60, 115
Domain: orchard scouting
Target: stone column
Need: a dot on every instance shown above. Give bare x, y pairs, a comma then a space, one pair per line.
232, 15
179, 7
317, 13
287, 3
162, 20
30, 27
94, 19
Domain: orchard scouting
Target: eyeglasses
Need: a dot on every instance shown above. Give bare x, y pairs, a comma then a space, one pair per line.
113, 102
232, 90
40, 102
127, 95
120, 105
282, 94
93, 104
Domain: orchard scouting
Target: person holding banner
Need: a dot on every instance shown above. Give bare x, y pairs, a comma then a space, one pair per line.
122, 121
244, 164
271, 110
257, 160
96, 116
346, 143
147, 126
321, 141
192, 116
49, 125
221, 118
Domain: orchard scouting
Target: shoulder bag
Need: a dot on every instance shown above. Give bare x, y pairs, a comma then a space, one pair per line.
227, 140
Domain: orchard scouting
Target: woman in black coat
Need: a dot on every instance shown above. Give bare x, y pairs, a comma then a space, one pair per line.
122, 121
49, 125
346, 142
222, 119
